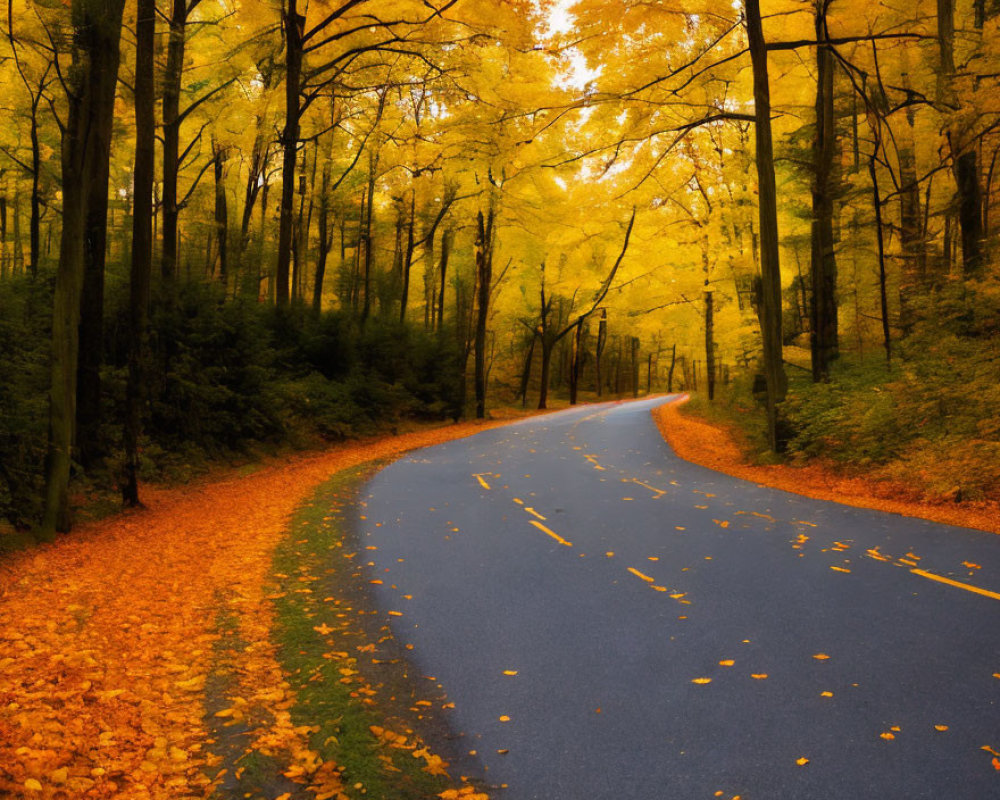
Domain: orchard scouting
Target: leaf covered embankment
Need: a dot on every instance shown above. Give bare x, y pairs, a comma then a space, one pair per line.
111, 635
717, 445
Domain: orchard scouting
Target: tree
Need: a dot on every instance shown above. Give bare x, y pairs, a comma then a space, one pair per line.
97, 28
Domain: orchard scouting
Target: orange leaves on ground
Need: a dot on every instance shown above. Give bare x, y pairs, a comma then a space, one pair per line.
109, 633
759, 676
802, 761
715, 446
701, 680
887, 735
727, 662
940, 728
821, 656
465, 793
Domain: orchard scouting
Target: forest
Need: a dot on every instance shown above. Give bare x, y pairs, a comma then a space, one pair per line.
228, 225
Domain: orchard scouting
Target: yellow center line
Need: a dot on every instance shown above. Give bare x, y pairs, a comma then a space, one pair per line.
519, 501
479, 477
638, 574
940, 579
647, 486
534, 513
551, 533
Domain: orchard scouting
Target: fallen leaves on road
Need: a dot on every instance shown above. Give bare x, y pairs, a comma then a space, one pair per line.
109, 633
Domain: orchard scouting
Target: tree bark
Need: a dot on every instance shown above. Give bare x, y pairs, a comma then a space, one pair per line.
964, 154
602, 340
670, 373
171, 110
770, 316
710, 342
294, 27
824, 333
91, 346
221, 213
97, 26
484, 284
142, 243
446, 239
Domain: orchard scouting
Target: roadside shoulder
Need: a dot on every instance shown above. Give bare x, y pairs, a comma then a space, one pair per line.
713, 446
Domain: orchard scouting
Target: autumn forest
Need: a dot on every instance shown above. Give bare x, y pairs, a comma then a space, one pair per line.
228, 223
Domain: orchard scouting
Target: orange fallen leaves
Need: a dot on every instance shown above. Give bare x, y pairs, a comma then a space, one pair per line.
821, 656
108, 635
802, 761
701, 680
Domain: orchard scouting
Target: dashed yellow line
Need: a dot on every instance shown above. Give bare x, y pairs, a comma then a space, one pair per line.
550, 532
957, 584
482, 482
641, 575
658, 492
534, 513
593, 460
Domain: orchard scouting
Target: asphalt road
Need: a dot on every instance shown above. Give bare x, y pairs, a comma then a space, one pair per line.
613, 622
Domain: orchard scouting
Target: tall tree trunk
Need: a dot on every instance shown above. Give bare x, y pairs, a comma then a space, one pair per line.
173, 76
142, 243
770, 316
369, 255
670, 373
34, 231
484, 284
635, 366
710, 342
294, 27
97, 26
526, 372
325, 239
576, 362
823, 336
408, 258
964, 155
221, 213
104, 66
446, 239
602, 340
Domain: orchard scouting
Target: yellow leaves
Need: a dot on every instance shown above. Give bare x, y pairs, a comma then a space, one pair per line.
727, 663
465, 793
510, 672
940, 728
759, 676
821, 657
839, 569
701, 680
504, 718
970, 565
802, 761
323, 630
826, 694
194, 684
887, 735
722, 523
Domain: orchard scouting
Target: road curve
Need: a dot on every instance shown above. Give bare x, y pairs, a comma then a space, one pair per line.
611, 621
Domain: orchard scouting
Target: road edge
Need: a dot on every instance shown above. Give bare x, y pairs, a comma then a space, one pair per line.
712, 446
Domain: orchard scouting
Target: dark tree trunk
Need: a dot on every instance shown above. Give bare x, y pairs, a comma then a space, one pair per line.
171, 110
710, 343
602, 340
325, 239
446, 239
635, 366
91, 346
369, 260
770, 300
576, 362
97, 26
484, 286
964, 155
221, 214
36, 196
142, 243
294, 27
407, 262
824, 333
670, 373
526, 372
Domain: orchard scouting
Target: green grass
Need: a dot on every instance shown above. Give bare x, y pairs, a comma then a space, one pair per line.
315, 549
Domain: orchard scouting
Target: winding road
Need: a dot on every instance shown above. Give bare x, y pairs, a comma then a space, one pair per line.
611, 621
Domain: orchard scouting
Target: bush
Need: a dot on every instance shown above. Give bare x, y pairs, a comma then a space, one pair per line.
24, 381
